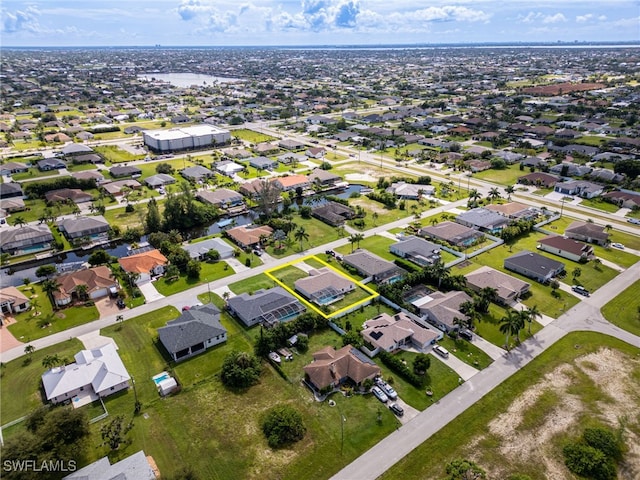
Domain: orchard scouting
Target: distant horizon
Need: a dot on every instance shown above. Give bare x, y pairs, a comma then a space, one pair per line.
280, 23
585, 43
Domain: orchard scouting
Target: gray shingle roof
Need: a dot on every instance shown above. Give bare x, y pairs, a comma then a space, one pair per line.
192, 327
264, 303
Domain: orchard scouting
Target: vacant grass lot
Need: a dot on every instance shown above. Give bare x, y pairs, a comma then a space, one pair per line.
508, 176
376, 244
251, 284
115, 154
466, 351
319, 234
208, 273
251, 136
600, 205
624, 310
22, 380
33, 173
459, 439
26, 327
489, 327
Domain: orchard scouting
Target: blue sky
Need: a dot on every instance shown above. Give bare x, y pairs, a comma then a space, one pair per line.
313, 22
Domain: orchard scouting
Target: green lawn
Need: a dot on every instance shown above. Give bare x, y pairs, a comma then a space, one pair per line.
319, 234
460, 438
26, 327
23, 379
466, 351
208, 273
600, 205
375, 244
34, 209
624, 310
489, 327
115, 154
508, 176
251, 284
251, 136
33, 173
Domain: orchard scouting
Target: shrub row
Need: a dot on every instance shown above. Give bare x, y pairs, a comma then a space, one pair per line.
395, 364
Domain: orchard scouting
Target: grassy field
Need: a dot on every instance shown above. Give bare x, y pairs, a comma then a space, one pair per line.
26, 327
489, 327
319, 234
460, 438
208, 273
624, 310
600, 205
375, 244
251, 136
508, 176
22, 379
467, 352
33, 173
114, 154
251, 284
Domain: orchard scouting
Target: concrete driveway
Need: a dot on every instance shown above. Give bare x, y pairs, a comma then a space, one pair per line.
150, 293
462, 369
107, 306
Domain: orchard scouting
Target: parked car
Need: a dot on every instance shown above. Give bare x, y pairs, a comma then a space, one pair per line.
397, 409
466, 334
379, 381
258, 252
120, 303
618, 245
579, 289
443, 352
635, 221
389, 391
379, 394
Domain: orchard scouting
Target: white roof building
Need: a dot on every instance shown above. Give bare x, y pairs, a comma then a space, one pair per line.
98, 372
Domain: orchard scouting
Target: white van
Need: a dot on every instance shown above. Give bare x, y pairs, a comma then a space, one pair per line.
443, 352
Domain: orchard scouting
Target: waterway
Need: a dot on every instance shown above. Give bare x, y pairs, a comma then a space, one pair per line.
186, 80
15, 275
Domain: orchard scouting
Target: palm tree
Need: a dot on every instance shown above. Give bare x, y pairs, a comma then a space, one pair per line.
608, 227
225, 296
523, 317
509, 325
474, 196
509, 190
29, 349
35, 304
576, 273
82, 291
50, 361
494, 194
533, 314
487, 295
19, 221
439, 271
50, 286
356, 238
374, 217
301, 234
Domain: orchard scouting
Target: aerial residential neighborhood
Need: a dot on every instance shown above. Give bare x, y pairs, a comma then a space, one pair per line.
397, 263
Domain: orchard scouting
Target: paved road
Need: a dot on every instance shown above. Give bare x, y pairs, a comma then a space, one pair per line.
584, 316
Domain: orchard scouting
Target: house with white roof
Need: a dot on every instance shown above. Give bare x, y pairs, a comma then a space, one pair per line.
95, 373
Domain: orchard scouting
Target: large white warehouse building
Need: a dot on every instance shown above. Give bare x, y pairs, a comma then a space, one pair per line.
185, 138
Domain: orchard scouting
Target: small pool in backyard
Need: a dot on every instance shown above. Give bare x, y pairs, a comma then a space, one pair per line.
160, 377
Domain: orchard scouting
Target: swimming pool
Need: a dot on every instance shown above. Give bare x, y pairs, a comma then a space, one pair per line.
160, 377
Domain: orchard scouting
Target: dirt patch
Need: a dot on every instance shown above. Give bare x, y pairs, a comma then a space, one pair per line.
371, 206
610, 371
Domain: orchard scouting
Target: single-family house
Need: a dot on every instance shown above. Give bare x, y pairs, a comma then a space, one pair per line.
290, 157
228, 168
566, 248
515, 210
324, 178
49, 164
410, 191
89, 175
10, 190
533, 265
221, 198
263, 163
539, 179
324, 286
13, 300
569, 169
265, 148
333, 213
330, 368
391, 333
124, 171
159, 180
10, 168
290, 144
580, 188
193, 332
483, 220
63, 194
416, 250
10, 205
99, 283
381, 271
265, 307
253, 188
199, 250
247, 236
96, 373
117, 188
76, 149
196, 173
27, 239
146, 265
292, 182
81, 226
442, 309
134, 467
315, 152
624, 198
587, 232
508, 289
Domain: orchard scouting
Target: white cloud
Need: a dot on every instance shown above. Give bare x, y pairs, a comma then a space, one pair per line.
557, 18
584, 18
21, 21
530, 17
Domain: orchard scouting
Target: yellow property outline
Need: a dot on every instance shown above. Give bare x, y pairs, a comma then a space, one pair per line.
373, 293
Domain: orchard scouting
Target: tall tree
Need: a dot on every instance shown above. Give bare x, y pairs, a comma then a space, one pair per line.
509, 325
153, 220
533, 314
267, 196
494, 194
50, 286
301, 235
509, 190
